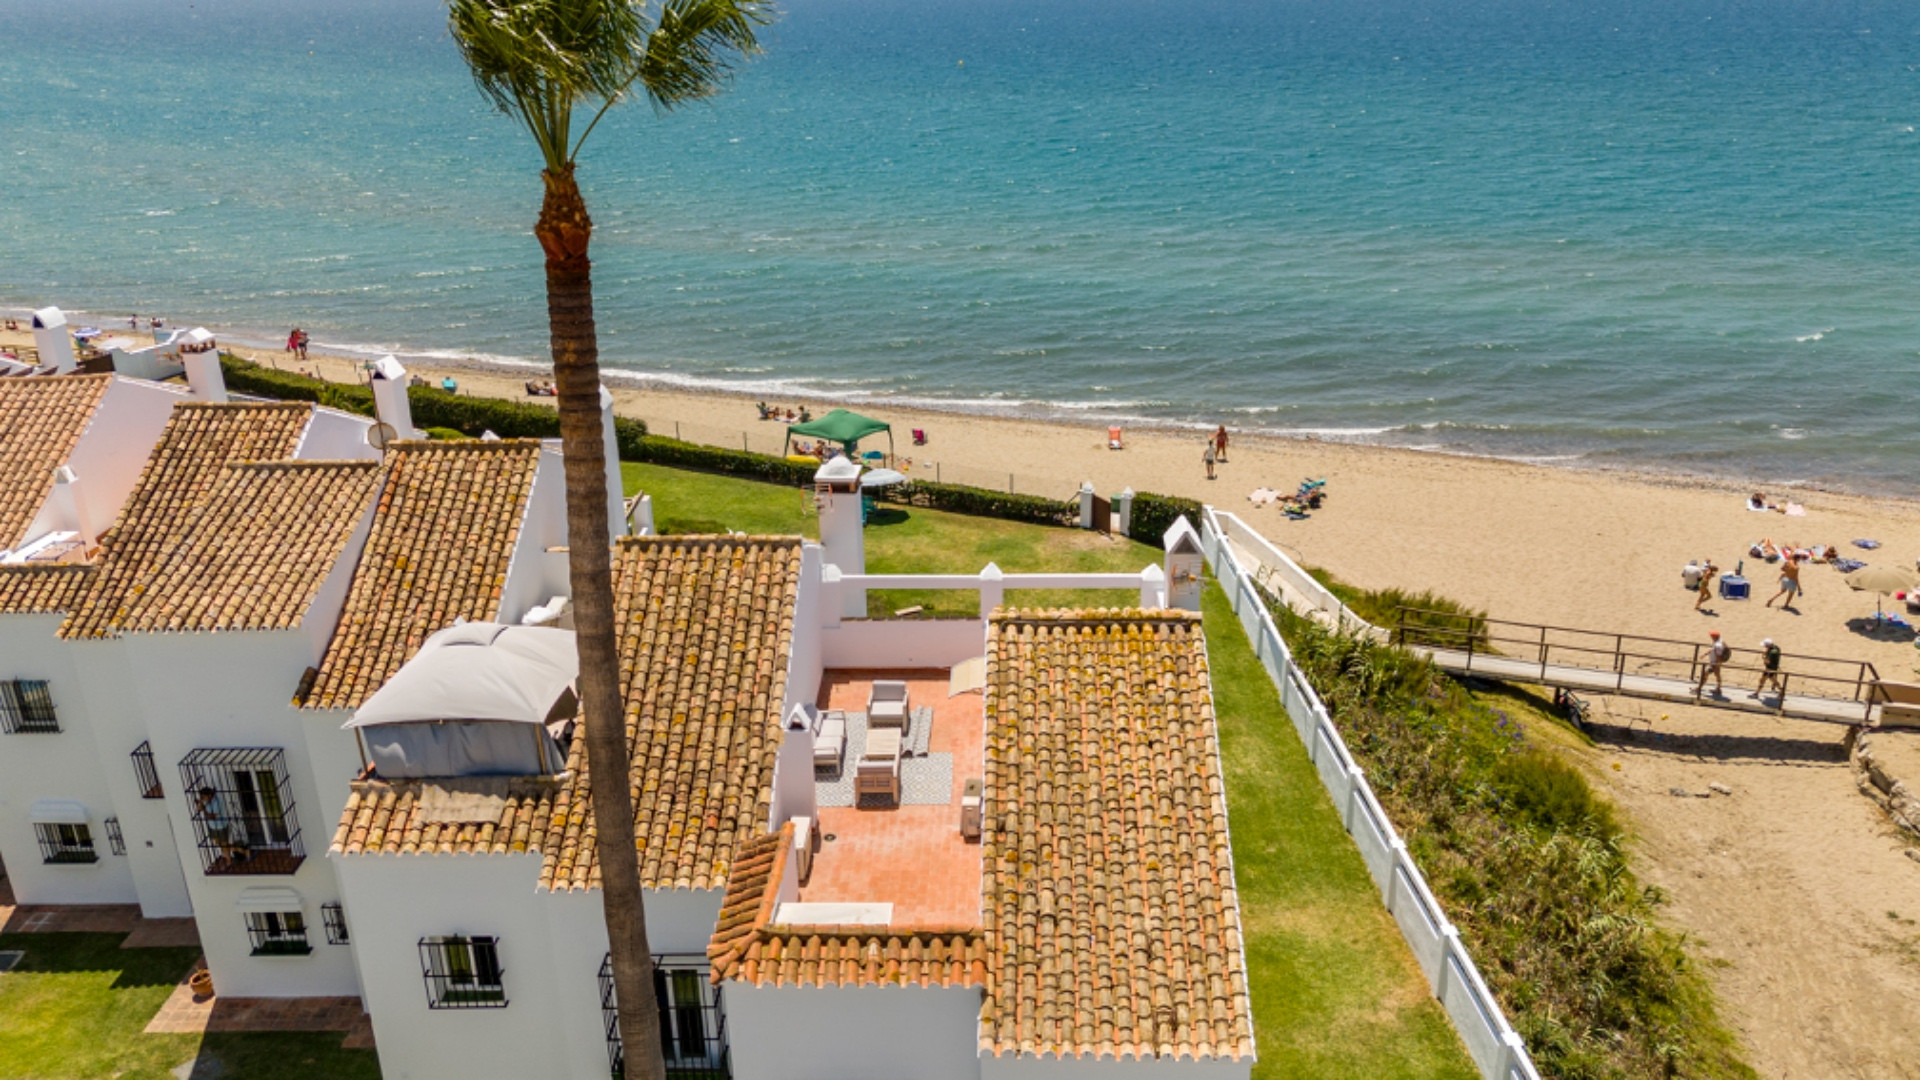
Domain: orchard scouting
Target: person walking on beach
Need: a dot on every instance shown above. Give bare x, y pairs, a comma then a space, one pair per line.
1707, 574
1209, 457
1789, 583
1717, 654
1770, 669
1220, 443
293, 341
301, 342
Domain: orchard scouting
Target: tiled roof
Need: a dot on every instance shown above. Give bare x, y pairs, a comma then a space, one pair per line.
29, 589
393, 817
41, 420
706, 623
1110, 914
200, 440
442, 536
748, 947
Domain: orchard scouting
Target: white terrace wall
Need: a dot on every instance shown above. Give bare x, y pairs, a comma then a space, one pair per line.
1494, 1046
853, 1033
62, 765
113, 449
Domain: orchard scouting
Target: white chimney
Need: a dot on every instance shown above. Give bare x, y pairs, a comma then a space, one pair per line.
390, 402
794, 795
1185, 561
204, 378
70, 505
836, 492
616, 487
50, 336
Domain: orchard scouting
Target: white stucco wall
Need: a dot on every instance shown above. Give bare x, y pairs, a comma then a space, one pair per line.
113, 449
535, 574
226, 690
805, 664
62, 765
333, 435
853, 1033
903, 643
1052, 1068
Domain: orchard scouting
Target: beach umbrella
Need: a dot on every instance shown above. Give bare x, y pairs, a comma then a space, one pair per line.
877, 478
1883, 580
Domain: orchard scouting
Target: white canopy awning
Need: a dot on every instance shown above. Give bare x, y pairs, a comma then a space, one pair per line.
58, 812
268, 898
478, 671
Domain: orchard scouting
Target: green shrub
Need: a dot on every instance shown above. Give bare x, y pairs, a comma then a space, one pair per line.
446, 434
659, 450
982, 502
1551, 794
1154, 514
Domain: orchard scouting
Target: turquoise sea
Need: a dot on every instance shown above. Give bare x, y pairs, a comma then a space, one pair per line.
1682, 235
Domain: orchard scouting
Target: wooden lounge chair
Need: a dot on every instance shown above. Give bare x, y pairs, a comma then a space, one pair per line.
887, 705
878, 770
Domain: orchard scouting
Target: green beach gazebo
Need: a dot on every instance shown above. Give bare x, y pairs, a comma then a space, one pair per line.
843, 427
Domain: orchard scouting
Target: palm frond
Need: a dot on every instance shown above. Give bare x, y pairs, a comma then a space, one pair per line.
694, 46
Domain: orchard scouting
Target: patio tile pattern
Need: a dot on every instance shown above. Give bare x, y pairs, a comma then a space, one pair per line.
41, 420
1111, 920
386, 817
706, 623
42, 588
255, 556
444, 529
749, 947
184, 1014
200, 440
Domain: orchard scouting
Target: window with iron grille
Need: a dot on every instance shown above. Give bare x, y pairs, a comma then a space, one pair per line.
26, 708
144, 773
462, 973
278, 933
241, 803
115, 842
335, 919
66, 844
693, 1027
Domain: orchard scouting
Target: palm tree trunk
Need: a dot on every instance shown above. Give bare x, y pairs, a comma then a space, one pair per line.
564, 231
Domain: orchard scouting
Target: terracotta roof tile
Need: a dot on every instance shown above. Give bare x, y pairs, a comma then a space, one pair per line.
199, 442
392, 817
748, 946
1111, 920
443, 533
706, 625
41, 420
33, 589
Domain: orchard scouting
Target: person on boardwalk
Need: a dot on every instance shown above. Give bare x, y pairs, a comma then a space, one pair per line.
1789, 583
1770, 669
1209, 457
1707, 574
1717, 654
1220, 443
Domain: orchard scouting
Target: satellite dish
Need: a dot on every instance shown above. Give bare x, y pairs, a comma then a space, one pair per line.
381, 434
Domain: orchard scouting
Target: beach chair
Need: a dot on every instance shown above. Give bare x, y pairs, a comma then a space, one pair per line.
919, 437
1113, 438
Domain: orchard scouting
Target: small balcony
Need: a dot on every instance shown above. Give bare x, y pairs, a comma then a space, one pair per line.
241, 804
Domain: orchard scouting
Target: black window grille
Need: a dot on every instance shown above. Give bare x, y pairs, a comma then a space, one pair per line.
66, 844
335, 919
116, 843
463, 973
144, 773
242, 806
278, 933
26, 708
693, 1026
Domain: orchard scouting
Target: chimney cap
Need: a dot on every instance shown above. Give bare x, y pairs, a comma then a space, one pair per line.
388, 368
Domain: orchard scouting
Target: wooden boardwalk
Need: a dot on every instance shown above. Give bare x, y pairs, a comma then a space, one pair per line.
1595, 679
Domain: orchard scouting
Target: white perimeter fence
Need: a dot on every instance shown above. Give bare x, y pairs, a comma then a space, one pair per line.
1494, 1045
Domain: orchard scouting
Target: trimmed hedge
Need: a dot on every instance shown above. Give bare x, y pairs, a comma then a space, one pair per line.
432, 406
1154, 514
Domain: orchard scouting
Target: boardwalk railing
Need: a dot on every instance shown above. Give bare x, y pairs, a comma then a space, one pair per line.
1493, 1044
1624, 656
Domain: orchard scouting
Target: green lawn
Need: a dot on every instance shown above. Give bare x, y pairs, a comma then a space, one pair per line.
900, 540
1335, 991
75, 1006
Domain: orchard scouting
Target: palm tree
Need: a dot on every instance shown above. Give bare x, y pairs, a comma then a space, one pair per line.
537, 61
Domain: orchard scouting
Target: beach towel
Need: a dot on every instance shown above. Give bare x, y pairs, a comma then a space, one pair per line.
1868, 544
1796, 510
1848, 566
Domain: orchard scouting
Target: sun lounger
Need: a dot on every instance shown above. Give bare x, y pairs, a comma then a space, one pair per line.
1113, 438
830, 740
919, 437
887, 705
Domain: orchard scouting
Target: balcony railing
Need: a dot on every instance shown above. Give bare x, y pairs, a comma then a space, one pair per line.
241, 802
144, 774
693, 1026
26, 708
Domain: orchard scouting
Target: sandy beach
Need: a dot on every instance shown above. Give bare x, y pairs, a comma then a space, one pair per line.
1565, 546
